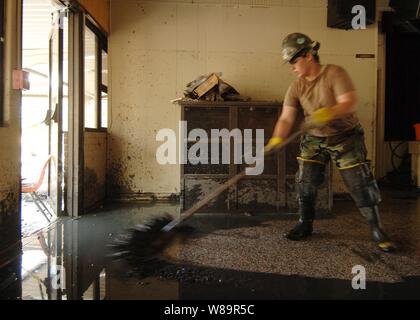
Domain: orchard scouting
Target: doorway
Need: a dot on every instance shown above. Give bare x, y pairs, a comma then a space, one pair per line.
44, 58
44, 124
63, 148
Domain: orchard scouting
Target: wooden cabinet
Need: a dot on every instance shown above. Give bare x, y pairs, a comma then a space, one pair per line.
273, 191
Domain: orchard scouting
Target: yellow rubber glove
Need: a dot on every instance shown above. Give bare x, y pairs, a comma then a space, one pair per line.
320, 117
273, 142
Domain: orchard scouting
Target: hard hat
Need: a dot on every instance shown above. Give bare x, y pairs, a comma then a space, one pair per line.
296, 44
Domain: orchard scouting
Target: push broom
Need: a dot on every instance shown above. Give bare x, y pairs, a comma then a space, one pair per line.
146, 241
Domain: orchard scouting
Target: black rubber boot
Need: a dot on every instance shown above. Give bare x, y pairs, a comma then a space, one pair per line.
365, 192
382, 240
308, 179
303, 228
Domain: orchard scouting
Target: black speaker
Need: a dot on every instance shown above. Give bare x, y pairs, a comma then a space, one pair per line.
340, 13
406, 9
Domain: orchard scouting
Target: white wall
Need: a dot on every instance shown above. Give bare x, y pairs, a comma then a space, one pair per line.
157, 47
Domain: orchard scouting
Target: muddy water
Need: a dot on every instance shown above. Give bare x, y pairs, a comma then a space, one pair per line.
218, 257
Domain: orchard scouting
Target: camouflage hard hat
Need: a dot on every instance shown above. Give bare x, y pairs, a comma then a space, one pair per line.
297, 43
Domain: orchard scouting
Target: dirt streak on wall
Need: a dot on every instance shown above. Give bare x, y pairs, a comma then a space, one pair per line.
95, 169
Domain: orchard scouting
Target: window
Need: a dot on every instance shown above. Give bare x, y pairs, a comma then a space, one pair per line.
104, 90
1, 60
96, 78
91, 85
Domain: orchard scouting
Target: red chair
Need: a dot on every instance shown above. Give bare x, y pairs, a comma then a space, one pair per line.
32, 189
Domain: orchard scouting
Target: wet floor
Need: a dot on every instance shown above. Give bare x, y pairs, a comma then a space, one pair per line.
222, 257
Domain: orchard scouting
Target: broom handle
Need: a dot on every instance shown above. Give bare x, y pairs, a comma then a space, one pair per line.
232, 181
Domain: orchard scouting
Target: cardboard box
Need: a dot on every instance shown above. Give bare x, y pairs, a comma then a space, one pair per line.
207, 85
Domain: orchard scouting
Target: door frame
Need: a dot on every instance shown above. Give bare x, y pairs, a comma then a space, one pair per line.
56, 110
75, 173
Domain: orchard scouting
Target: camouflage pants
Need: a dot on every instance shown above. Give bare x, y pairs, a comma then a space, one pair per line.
347, 150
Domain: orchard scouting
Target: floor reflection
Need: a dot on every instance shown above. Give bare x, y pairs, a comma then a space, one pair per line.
220, 259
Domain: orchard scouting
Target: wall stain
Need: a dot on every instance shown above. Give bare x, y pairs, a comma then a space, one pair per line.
9, 219
94, 192
117, 181
196, 190
257, 196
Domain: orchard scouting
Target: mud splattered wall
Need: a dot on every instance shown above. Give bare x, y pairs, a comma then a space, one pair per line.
157, 47
10, 142
95, 169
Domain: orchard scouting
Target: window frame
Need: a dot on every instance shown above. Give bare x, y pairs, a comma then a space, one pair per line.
102, 45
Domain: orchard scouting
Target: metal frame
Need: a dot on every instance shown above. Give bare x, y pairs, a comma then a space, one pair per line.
59, 110
102, 46
76, 115
75, 172
41, 206
56, 292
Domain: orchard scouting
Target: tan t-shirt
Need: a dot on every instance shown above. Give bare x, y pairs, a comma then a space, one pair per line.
332, 82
